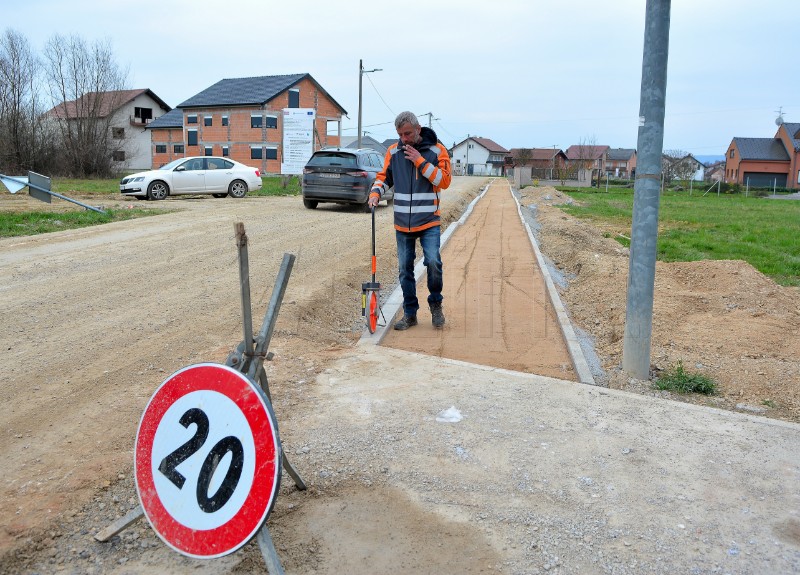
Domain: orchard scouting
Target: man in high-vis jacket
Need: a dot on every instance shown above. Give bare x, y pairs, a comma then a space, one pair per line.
418, 167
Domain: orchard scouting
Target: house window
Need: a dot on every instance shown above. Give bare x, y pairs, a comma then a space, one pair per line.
161, 148
225, 151
256, 152
798, 176
207, 120
118, 156
177, 148
256, 121
294, 98
731, 152
209, 150
224, 120
272, 153
191, 137
191, 119
118, 133
272, 122
143, 115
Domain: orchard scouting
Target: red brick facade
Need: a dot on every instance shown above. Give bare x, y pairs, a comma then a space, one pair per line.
239, 136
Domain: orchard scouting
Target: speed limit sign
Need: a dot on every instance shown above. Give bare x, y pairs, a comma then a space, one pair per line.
207, 460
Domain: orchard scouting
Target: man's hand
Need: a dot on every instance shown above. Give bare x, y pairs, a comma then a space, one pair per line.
411, 153
373, 201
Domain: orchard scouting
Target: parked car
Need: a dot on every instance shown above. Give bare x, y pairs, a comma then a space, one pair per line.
194, 175
342, 176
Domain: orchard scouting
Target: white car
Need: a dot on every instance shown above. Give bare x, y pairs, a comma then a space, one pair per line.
194, 175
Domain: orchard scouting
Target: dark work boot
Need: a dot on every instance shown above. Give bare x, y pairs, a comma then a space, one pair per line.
437, 315
406, 322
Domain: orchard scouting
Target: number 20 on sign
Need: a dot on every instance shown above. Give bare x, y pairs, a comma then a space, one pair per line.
207, 460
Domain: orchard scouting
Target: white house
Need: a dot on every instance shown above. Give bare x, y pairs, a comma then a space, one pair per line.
126, 112
478, 157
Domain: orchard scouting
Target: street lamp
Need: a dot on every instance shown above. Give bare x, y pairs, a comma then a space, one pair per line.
361, 72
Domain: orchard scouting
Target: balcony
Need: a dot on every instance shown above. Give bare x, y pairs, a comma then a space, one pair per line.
134, 121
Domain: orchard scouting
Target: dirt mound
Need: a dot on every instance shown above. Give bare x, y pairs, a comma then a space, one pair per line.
720, 318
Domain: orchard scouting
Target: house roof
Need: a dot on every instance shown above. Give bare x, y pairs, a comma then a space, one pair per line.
771, 149
620, 154
537, 154
368, 142
584, 152
794, 133
490, 145
255, 91
172, 119
102, 103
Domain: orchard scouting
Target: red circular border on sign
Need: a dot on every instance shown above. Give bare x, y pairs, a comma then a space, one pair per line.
254, 511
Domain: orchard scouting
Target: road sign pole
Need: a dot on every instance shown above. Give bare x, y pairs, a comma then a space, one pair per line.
189, 392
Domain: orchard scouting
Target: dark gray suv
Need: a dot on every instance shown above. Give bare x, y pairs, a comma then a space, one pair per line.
341, 176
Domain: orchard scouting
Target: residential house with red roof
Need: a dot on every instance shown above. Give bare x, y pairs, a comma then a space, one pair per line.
537, 163
587, 162
125, 114
477, 156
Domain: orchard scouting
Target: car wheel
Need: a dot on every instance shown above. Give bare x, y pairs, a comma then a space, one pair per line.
157, 190
237, 189
219, 195
310, 204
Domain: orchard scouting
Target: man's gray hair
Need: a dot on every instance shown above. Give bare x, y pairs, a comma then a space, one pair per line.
406, 118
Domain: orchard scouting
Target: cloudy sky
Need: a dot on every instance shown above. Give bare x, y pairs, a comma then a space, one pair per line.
525, 73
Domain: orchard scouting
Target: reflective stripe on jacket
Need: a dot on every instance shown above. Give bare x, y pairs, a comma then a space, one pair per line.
416, 186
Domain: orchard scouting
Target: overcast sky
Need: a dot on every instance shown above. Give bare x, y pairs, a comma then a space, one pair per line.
525, 73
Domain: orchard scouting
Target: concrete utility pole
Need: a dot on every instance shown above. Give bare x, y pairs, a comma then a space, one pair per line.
644, 232
361, 72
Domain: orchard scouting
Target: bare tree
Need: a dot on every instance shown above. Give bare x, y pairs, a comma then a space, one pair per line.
85, 86
677, 165
25, 143
523, 156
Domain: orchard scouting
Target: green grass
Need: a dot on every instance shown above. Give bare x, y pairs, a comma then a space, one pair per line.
36, 222
679, 380
274, 186
763, 232
32, 223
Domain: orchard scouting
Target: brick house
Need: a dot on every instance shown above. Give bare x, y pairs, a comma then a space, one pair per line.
587, 162
541, 163
621, 163
242, 118
766, 162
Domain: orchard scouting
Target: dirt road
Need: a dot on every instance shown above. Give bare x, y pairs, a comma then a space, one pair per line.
95, 319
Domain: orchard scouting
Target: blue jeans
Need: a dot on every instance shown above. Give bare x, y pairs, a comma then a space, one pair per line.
406, 254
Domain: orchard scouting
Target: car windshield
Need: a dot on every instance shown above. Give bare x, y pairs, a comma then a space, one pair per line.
173, 164
333, 159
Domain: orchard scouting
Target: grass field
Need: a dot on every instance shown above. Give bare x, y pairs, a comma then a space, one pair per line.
763, 232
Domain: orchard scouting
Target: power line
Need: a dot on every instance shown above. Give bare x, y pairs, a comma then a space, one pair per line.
379, 96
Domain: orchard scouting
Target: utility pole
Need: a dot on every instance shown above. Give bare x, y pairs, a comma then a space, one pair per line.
430, 118
644, 232
361, 72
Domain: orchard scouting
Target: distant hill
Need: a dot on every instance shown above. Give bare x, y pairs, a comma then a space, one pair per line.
708, 160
